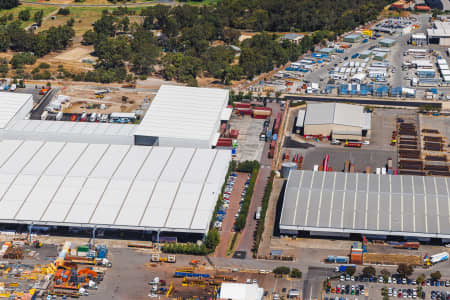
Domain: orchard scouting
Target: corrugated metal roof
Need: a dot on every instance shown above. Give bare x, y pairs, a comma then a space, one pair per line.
64, 131
300, 118
400, 205
115, 186
333, 113
11, 104
184, 112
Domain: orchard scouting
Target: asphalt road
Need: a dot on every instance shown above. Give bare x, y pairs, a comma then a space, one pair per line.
248, 234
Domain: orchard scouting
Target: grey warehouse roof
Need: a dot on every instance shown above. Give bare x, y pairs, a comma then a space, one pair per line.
334, 113
399, 205
111, 186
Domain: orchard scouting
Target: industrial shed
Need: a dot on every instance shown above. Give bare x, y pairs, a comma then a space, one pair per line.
110, 186
183, 117
340, 204
14, 106
337, 120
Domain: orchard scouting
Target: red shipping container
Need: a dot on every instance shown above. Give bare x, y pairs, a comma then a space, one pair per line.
262, 117
272, 145
242, 105
224, 142
262, 108
234, 133
271, 152
245, 112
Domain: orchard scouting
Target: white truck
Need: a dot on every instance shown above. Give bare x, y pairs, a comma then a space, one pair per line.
258, 213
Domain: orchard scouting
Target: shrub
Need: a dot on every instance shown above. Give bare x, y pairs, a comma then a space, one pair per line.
24, 15
24, 58
405, 270
265, 205
296, 273
64, 11
282, 270
369, 271
436, 275
44, 65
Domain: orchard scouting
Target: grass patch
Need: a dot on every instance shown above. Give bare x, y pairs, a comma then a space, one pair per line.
265, 205
84, 17
234, 241
32, 8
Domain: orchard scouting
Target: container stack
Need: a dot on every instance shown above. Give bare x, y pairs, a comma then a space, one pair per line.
243, 108
262, 112
83, 251
356, 256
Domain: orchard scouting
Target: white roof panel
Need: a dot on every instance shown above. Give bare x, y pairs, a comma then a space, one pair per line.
112, 200
65, 159
42, 158
20, 157
39, 198
176, 167
155, 163
137, 200
88, 160
11, 104
184, 112
112, 185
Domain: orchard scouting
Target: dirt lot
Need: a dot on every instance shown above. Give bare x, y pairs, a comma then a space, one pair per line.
112, 100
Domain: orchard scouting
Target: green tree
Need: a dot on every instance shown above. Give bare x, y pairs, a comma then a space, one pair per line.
282, 270
386, 274
296, 273
89, 37
420, 279
24, 15
436, 275
38, 17
405, 270
369, 271
212, 239
64, 11
350, 271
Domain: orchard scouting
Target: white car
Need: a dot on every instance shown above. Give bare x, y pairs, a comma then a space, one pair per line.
366, 143
447, 246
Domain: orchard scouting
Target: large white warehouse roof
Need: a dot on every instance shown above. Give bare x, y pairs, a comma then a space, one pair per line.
111, 186
184, 116
11, 105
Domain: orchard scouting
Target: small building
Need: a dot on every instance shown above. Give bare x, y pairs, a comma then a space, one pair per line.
328, 119
298, 128
422, 64
402, 5
379, 55
387, 42
240, 291
418, 39
358, 78
426, 73
353, 38
364, 54
292, 37
327, 51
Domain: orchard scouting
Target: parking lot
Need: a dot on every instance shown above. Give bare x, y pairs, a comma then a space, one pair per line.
234, 191
354, 287
249, 146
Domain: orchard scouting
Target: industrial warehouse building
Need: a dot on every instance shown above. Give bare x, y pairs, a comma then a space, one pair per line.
341, 204
110, 186
336, 120
178, 117
183, 117
439, 33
